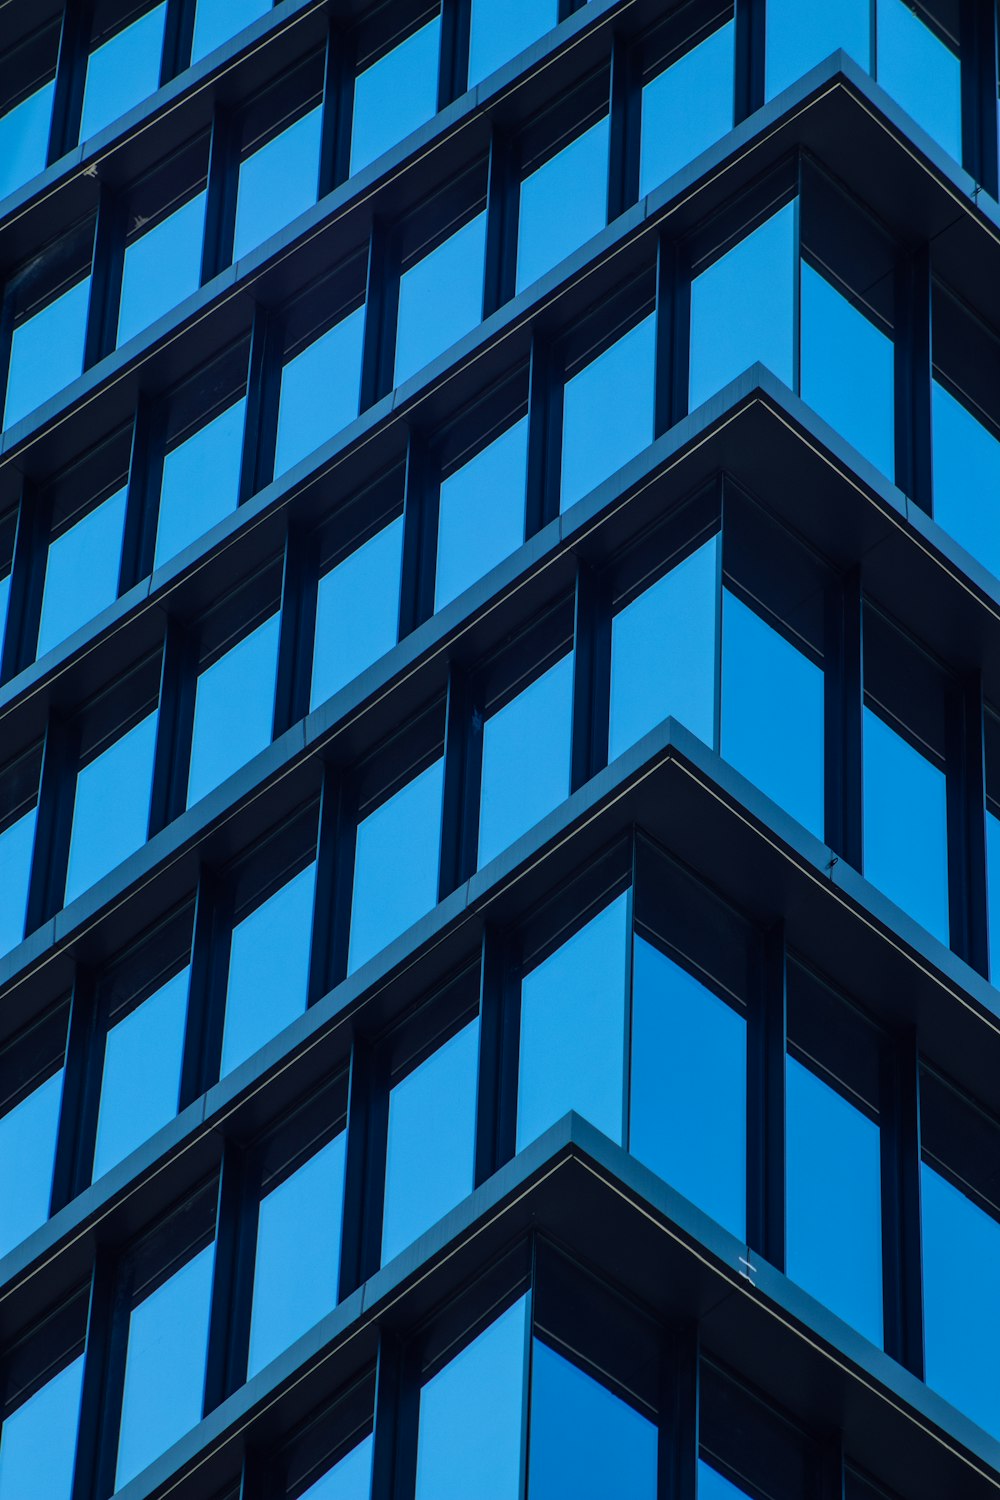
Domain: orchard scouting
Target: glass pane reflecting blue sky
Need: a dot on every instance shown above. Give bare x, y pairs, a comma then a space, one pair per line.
395, 95
111, 810
396, 865
142, 1073
503, 28
200, 486
848, 370
563, 203
162, 267
357, 612
27, 1155
350, 1479
122, 71
38, 1440
966, 478
215, 21
440, 299
16, 844
712, 1486
686, 108
481, 513
237, 691
81, 572
993, 874
921, 72
526, 750
277, 183
46, 352
801, 33
268, 969
620, 379
585, 1442
24, 140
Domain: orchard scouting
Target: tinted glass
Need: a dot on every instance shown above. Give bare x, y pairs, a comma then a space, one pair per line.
440, 299
38, 1440
24, 144
357, 612
349, 1480
834, 1201
201, 478
234, 709
993, 877
920, 70
396, 865
27, 1155
686, 108
111, 811
268, 969
906, 825
503, 28
742, 309
395, 95
847, 370
4, 602
801, 33
663, 650
320, 391
277, 183
122, 72
46, 352
573, 1030
142, 1073
620, 379
966, 478
215, 21
585, 1442
712, 1486
81, 572
563, 204
431, 1141
16, 843
298, 1254
469, 1433
162, 267
526, 750
165, 1366
688, 1116
772, 713
481, 515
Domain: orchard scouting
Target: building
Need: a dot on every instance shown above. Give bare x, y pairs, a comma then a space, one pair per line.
499, 754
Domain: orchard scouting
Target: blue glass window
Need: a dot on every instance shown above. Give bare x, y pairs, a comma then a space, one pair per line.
585, 1441
905, 825
503, 28
162, 267
469, 1432
526, 759
123, 71
772, 713
201, 480
712, 1486
395, 95
24, 144
27, 1156
687, 108
46, 352
268, 969
801, 33
320, 391
16, 843
111, 811
966, 478
277, 183
563, 203
573, 1030
165, 1366
81, 572
141, 1082
431, 1141
357, 612
620, 379
234, 709
38, 1440
834, 1200
481, 513
350, 1479
215, 21
742, 309
663, 652
298, 1254
922, 71
396, 865
847, 370
4, 602
440, 299
688, 1115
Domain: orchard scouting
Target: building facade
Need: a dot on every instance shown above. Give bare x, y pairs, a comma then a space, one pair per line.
499, 750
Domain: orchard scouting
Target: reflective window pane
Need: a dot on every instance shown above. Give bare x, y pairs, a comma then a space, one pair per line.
233, 710
742, 309
712, 1486
469, 1432
111, 811
663, 648
201, 479
268, 969
481, 513
440, 299
526, 754
772, 713
16, 844
688, 1108
503, 28
357, 612
573, 1030
585, 1442
396, 865
847, 370
215, 21
122, 71
46, 352
834, 1200
431, 1141
38, 1440
395, 95
905, 825
320, 391
162, 267
350, 1479
27, 1156
141, 1083
298, 1254
966, 478
563, 204
686, 108
165, 1366
921, 70
24, 143
801, 33
620, 379
81, 572
277, 183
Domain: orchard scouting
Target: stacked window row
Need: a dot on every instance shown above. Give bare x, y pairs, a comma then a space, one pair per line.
652, 1010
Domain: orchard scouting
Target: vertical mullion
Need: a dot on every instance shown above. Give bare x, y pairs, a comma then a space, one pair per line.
364, 1174
220, 198
103, 1381
145, 475
207, 991
766, 1034
420, 519
463, 764
624, 127
591, 677
381, 308
913, 377
966, 786
71, 75
297, 629
260, 427
174, 727
397, 1404
831, 1475
232, 1278
107, 267
978, 58
545, 408
77, 1131
453, 74
750, 55
53, 824
499, 1042
503, 199
899, 1112
673, 327
27, 583
843, 685
338, 828
338, 109
678, 1437
178, 36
